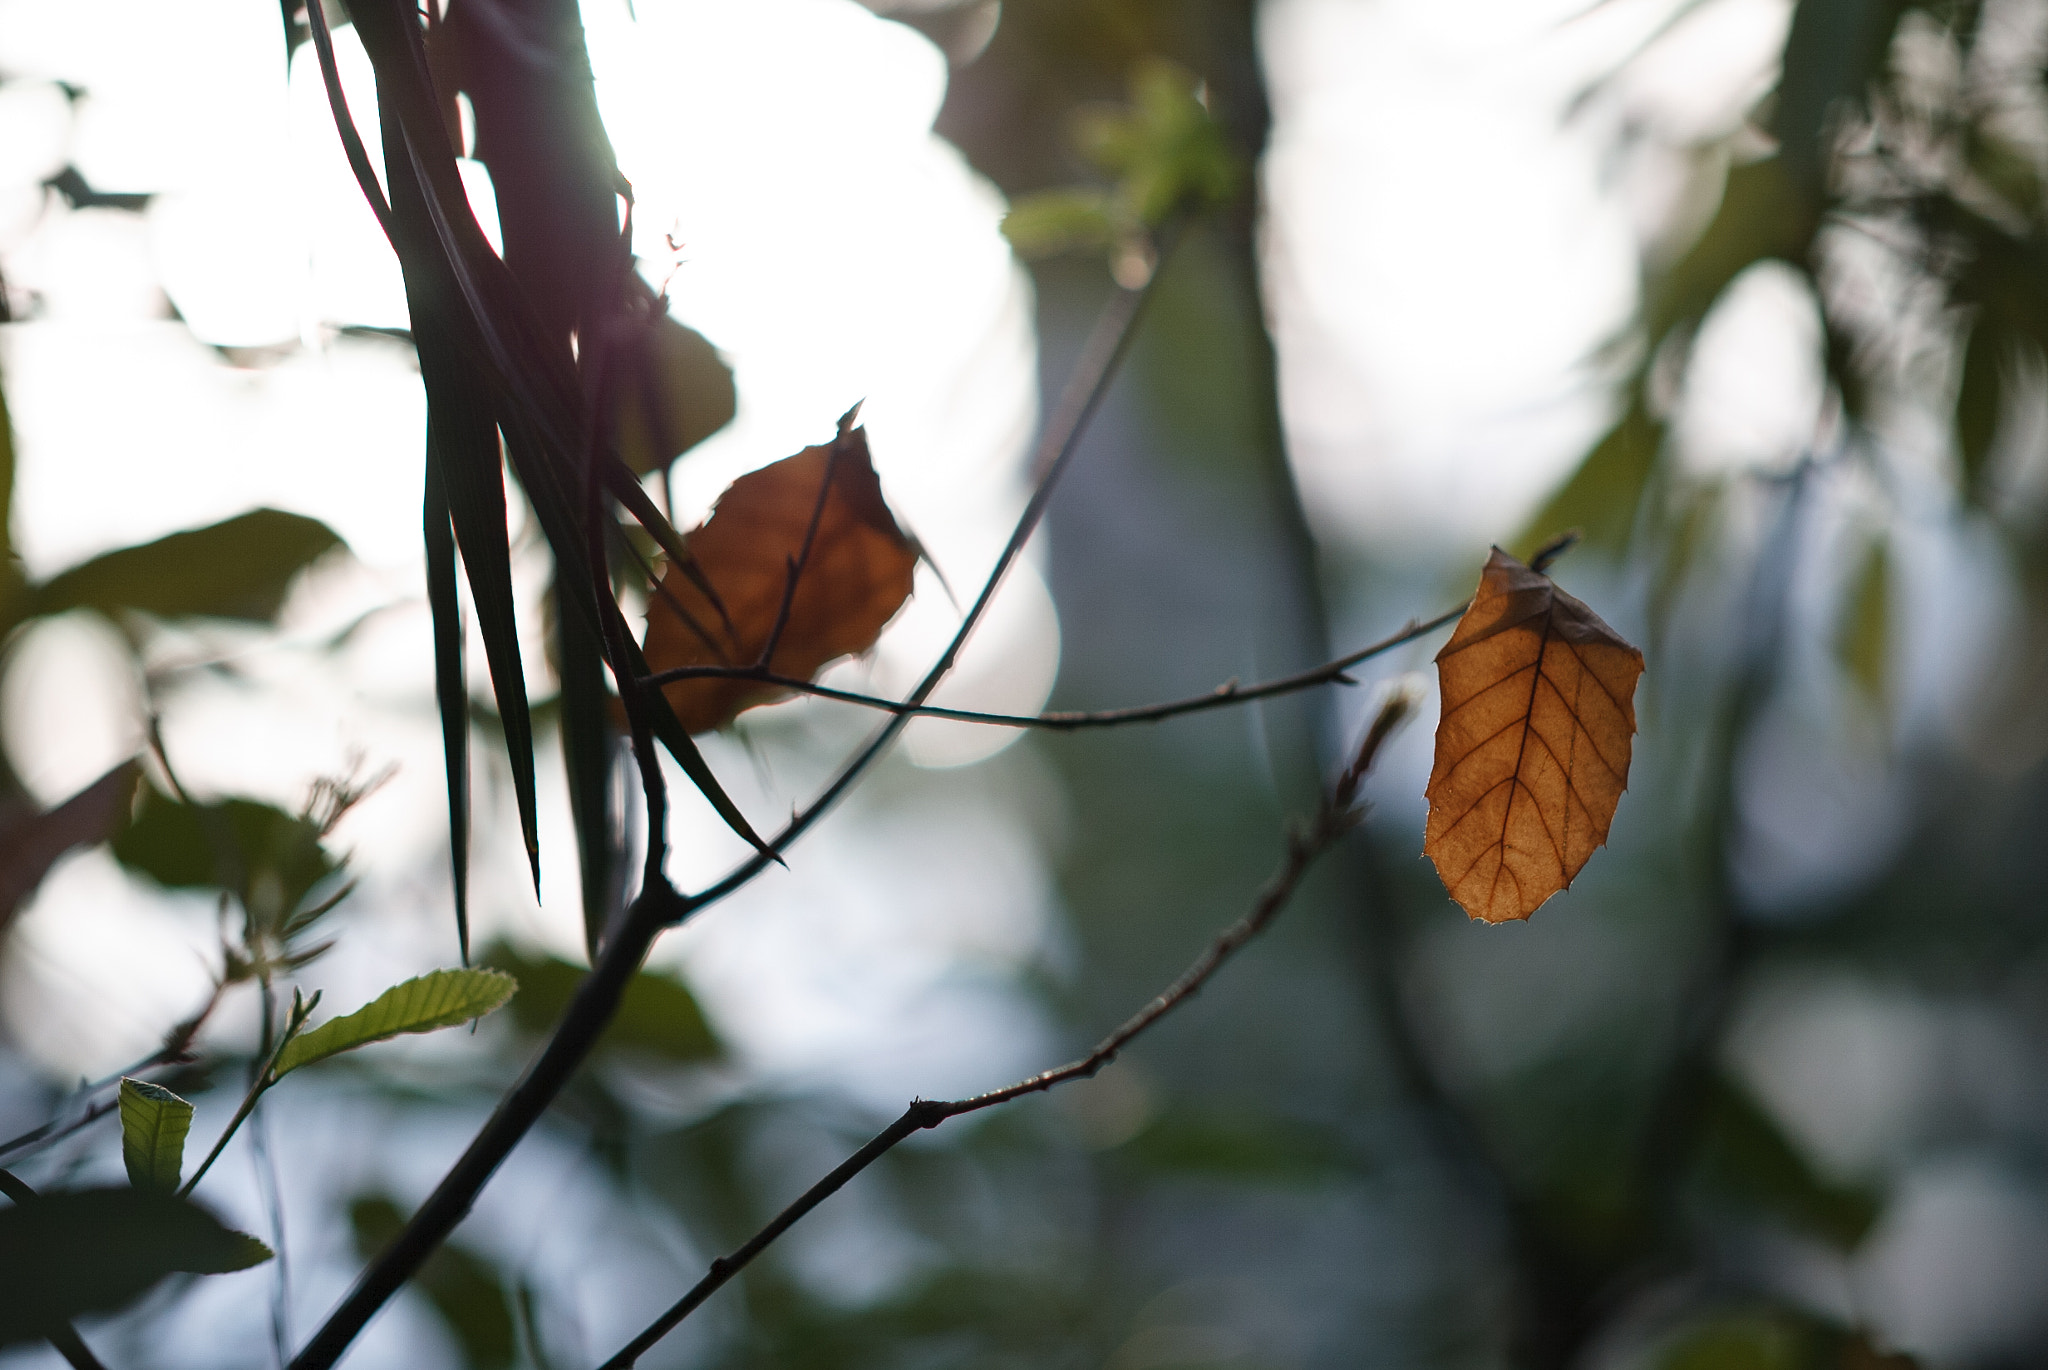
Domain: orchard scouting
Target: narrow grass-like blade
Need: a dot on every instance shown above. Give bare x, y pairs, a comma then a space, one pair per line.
587, 755
669, 731
451, 688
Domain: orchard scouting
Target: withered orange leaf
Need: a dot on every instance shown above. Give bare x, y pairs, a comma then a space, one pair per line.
816, 520
1532, 750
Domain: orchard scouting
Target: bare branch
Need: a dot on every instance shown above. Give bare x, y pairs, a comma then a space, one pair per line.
1224, 695
1338, 813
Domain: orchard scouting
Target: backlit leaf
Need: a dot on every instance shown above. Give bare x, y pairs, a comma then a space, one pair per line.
1532, 751
855, 576
239, 568
439, 999
96, 1250
673, 391
154, 1122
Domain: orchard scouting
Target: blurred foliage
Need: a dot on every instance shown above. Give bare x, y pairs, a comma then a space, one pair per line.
658, 1016
466, 1289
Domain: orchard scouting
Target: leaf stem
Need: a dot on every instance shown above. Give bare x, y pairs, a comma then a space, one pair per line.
302, 1009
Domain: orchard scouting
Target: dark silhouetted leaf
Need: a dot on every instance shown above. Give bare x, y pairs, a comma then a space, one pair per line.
821, 510
672, 392
240, 568
438, 999
31, 842
1532, 750
96, 1250
658, 1015
154, 1122
1832, 50
588, 756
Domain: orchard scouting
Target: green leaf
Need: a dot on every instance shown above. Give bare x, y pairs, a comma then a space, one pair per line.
239, 569
465, 1289
1863, 644
1167, 150
657, 1015
439, 999
97, 1250
1833, 51
1745, 1156
673, 392
1602, 497
1049, 222
269, 859
154, 1122
1761, 217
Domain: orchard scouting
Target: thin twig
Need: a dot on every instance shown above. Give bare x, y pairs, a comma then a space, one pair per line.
1338, 813
64, 1337
1224, 695
54, 1131
659, 906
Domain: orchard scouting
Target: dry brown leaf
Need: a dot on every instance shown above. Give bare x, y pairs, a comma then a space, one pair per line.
1532, 750
855, 577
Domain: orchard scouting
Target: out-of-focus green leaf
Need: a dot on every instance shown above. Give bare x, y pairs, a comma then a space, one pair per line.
451, 689
1252, 1149
1601, 497
1832, 51
31, 842
269, 858
154, 1122
673, 391
1863, 643
96, 1250
465, 1289
1049, 222
1989, 358
1760, 1339
239, 568
1745, 1156
1167, 151
657, 1015
1761, 217
438, 999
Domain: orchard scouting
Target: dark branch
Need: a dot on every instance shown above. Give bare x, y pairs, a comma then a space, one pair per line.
1338, 813
1224, 695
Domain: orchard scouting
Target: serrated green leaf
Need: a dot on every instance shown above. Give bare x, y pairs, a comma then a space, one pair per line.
439, 999
97, 1250
154, 1122
239, 568
1863, 644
